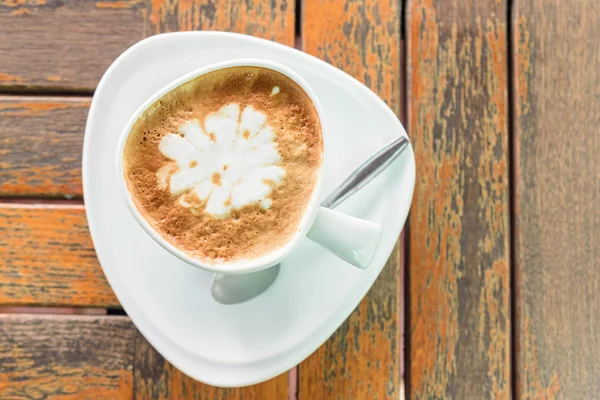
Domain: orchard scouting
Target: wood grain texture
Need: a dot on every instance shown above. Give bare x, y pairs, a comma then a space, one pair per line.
459, 276
46, 254
100, 357
156, 378
40, 145
557, 221
66, 357
362, 359
47, 258
68, 44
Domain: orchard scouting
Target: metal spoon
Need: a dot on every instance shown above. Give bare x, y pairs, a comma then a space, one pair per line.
366, 172
235, 289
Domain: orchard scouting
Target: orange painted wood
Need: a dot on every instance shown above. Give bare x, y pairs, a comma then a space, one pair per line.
66, 357
362, 359
557, 198
40, 145
156, 378
68, 44
459, 324
47, 258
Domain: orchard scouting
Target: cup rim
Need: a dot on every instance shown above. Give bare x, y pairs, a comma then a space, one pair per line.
244, 265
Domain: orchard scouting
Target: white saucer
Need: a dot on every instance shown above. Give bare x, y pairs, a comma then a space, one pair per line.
168, 300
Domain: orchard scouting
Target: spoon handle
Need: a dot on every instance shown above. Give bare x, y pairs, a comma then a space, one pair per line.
366, 172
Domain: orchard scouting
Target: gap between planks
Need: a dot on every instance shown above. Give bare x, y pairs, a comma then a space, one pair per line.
41, 202
510, 93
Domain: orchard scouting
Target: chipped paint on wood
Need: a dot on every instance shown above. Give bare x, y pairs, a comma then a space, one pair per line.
155, 378
21, 3
79, 43
272, 20
82, 38
80, 357
47, 258
359, 37
56, 264
22, 11
529, 384
37, 108
10, 79
362, 359
40, 143
459, 225
131, 4
66, 357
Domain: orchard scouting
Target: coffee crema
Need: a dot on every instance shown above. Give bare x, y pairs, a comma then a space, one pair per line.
223, 166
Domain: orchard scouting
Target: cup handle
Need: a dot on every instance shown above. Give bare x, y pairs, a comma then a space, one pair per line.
352, 239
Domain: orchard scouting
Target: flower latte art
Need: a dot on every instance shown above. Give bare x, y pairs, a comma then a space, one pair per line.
224, 166
230, 163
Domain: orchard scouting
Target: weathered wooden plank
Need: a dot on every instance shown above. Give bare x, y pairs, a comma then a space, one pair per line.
40, 145
66, 357
459, 276
103, 357
68, 44
47, 258
363, 39
557, 222
362, 359
155, 378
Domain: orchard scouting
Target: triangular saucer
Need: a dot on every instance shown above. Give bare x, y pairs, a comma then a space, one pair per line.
168, 300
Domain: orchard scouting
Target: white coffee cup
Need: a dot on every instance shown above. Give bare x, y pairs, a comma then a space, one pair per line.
353, 239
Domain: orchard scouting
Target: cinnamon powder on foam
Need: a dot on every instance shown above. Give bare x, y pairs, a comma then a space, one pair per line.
251, 231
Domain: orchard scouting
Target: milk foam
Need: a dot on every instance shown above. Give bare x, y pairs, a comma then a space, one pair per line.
231, 162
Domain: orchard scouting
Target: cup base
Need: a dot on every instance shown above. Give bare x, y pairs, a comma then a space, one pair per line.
236, 289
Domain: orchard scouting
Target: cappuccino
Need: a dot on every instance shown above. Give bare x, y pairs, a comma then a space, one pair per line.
223, 166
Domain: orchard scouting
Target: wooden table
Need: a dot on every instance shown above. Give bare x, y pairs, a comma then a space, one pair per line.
495, 281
